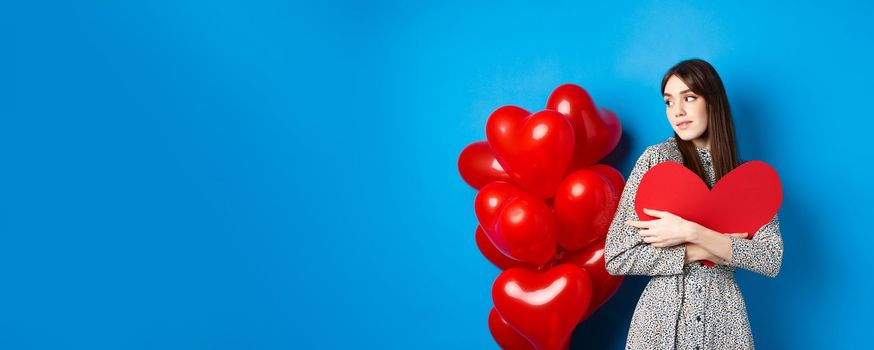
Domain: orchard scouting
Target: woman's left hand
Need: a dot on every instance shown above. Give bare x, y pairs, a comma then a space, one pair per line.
667, 230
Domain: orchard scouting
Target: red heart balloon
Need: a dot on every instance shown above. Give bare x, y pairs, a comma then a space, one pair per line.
743, 200
584, 206
525, 230
478, 166
604, 285
494, 255
614, 177
543, 306
506, 337
490, 198
519, 225
534, 149
597, 132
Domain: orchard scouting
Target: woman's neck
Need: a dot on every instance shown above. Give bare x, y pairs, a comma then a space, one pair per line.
702, 143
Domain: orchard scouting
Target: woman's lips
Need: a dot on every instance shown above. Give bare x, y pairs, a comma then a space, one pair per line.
684, 125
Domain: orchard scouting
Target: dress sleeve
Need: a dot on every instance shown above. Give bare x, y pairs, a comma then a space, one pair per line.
625, 252
763, 253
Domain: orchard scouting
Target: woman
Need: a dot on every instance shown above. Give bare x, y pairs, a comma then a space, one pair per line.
687, 305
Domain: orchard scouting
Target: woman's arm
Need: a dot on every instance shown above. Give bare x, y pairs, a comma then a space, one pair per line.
762, 254
717, 244
625, 252
695, 252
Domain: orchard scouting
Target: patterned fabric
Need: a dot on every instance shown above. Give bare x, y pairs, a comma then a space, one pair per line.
687, 306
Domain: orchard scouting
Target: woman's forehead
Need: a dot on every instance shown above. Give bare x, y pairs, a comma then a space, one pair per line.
675, 86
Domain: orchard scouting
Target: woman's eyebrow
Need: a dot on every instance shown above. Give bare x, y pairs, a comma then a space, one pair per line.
681, 92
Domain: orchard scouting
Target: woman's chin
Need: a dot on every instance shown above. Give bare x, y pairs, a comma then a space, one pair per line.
685, 135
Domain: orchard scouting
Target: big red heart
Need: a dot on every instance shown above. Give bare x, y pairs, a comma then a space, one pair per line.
519, 225
478, 166
596, 132
604, 285
743, 200
543, 306
535, 149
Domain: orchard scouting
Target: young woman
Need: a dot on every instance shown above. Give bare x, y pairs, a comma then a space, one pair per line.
687, 305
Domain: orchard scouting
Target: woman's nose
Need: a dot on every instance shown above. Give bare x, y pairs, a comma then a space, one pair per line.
679, 111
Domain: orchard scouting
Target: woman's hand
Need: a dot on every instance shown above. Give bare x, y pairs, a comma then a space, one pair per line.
696, 252
667, 230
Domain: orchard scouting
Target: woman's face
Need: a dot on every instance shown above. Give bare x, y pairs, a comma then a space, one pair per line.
686, 111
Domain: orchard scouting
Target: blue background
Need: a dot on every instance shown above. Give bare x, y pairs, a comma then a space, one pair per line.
267, 175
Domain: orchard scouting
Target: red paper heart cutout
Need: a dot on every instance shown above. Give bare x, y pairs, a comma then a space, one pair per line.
478, 165
596, 132
743, 200
543, 306
534, 149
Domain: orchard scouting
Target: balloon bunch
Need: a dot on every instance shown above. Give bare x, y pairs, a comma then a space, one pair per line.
544, 207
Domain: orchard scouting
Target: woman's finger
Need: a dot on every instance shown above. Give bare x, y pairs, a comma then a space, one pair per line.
653, 212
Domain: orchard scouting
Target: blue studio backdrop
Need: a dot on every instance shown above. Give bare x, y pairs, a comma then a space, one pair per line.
275, 175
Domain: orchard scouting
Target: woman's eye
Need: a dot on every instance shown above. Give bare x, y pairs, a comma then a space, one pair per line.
690, 98
668, 103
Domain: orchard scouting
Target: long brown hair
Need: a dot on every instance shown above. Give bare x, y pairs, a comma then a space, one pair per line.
703, 80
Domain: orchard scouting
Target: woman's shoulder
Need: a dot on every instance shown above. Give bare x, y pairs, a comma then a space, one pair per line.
662, 151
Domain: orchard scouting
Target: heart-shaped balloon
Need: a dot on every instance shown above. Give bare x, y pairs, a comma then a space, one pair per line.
743, 200
506, 337
494, 255
519, 225
534, 149
490, 198
614, 177
584, 206
604, 285
597, 132
478, 166
543, 306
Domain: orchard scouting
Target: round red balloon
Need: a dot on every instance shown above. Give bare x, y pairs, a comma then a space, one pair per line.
584, 206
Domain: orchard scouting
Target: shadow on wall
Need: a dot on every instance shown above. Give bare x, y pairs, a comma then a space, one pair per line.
607, 328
